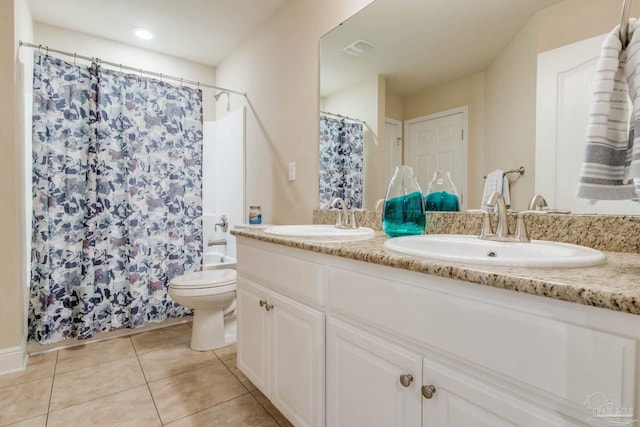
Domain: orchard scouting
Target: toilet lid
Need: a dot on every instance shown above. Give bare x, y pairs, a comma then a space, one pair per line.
204, 279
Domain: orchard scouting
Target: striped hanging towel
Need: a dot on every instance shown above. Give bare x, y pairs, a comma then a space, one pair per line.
608, 167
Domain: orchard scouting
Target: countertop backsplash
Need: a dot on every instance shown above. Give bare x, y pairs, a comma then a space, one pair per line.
612, 233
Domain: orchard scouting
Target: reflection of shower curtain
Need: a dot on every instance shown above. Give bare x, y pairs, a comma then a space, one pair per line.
341, 159
117, 204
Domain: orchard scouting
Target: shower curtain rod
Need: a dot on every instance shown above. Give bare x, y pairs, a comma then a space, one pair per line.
126, 67
342, 117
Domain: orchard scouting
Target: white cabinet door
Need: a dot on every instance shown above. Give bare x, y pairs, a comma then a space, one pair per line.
281, 350
253, 333
460, 400
297, 350
363, 380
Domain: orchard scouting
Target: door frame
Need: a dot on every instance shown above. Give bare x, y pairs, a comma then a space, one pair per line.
464, 110
387, 154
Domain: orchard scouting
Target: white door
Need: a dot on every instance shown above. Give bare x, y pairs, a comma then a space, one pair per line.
564, 96
393, 144
253, 333
363, 380
297, 369
437, 142
460, 400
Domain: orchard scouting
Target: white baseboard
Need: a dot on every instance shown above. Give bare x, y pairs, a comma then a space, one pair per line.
33, 348
13, 359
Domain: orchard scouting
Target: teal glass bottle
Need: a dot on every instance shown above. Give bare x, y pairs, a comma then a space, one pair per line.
403, 211
441, 194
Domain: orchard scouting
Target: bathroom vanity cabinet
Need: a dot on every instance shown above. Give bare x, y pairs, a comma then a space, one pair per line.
281, 339
409, 349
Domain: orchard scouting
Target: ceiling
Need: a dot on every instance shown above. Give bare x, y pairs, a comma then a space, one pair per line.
204, 31
420, 43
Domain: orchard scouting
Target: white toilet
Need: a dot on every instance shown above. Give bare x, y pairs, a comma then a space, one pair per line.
211, 294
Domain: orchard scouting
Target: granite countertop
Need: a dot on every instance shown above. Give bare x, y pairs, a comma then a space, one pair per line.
614, 285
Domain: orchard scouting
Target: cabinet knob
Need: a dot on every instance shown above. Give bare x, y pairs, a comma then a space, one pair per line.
428, 391
406, 380
268, 307
262, 303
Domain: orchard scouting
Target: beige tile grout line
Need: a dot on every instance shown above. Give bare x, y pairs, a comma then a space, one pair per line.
90, 400
245, 387
55, 373
205, 409
146, 381
151, 394
53, 380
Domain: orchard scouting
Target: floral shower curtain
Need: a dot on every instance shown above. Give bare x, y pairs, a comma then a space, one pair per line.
117, 198
341, 161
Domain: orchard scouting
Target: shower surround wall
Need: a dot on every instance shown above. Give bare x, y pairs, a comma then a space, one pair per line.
223, 178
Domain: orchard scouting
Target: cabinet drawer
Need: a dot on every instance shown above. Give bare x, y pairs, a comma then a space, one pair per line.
294, 276
558, 359
461, 400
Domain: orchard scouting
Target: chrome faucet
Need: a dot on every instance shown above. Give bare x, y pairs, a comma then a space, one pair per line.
223, 224
502, 230
486, 232
219, 242
346, 218
538, 203
521, 228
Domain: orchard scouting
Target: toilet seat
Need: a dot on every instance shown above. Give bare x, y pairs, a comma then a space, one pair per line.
224, 279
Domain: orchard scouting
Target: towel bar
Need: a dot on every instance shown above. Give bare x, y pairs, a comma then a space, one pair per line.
520, 170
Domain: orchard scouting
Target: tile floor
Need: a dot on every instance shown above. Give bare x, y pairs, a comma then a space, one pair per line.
148, 379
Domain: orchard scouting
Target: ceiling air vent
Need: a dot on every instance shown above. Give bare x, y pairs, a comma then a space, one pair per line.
358, 48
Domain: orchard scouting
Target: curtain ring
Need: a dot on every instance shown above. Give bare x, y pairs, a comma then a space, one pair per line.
75, 56
198, 85
47, 50
160, 77
121, 74
40, 48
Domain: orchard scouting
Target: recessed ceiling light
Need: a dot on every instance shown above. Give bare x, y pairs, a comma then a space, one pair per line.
142, 33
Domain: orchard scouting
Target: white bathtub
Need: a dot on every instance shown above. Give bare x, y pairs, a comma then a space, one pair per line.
216, 261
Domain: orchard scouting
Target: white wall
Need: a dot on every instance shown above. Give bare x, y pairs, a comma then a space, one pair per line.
278, 67
361, 101
15, 24
108, 50
468, 91
511, 83
223, 178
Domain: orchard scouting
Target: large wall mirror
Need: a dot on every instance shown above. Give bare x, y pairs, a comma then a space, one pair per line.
399, 67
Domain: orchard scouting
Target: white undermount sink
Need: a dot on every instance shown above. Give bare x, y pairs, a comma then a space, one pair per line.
321, 231
473, 250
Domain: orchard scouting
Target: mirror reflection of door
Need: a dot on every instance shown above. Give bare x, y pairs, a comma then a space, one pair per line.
437, 142
393, 142
564, 97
